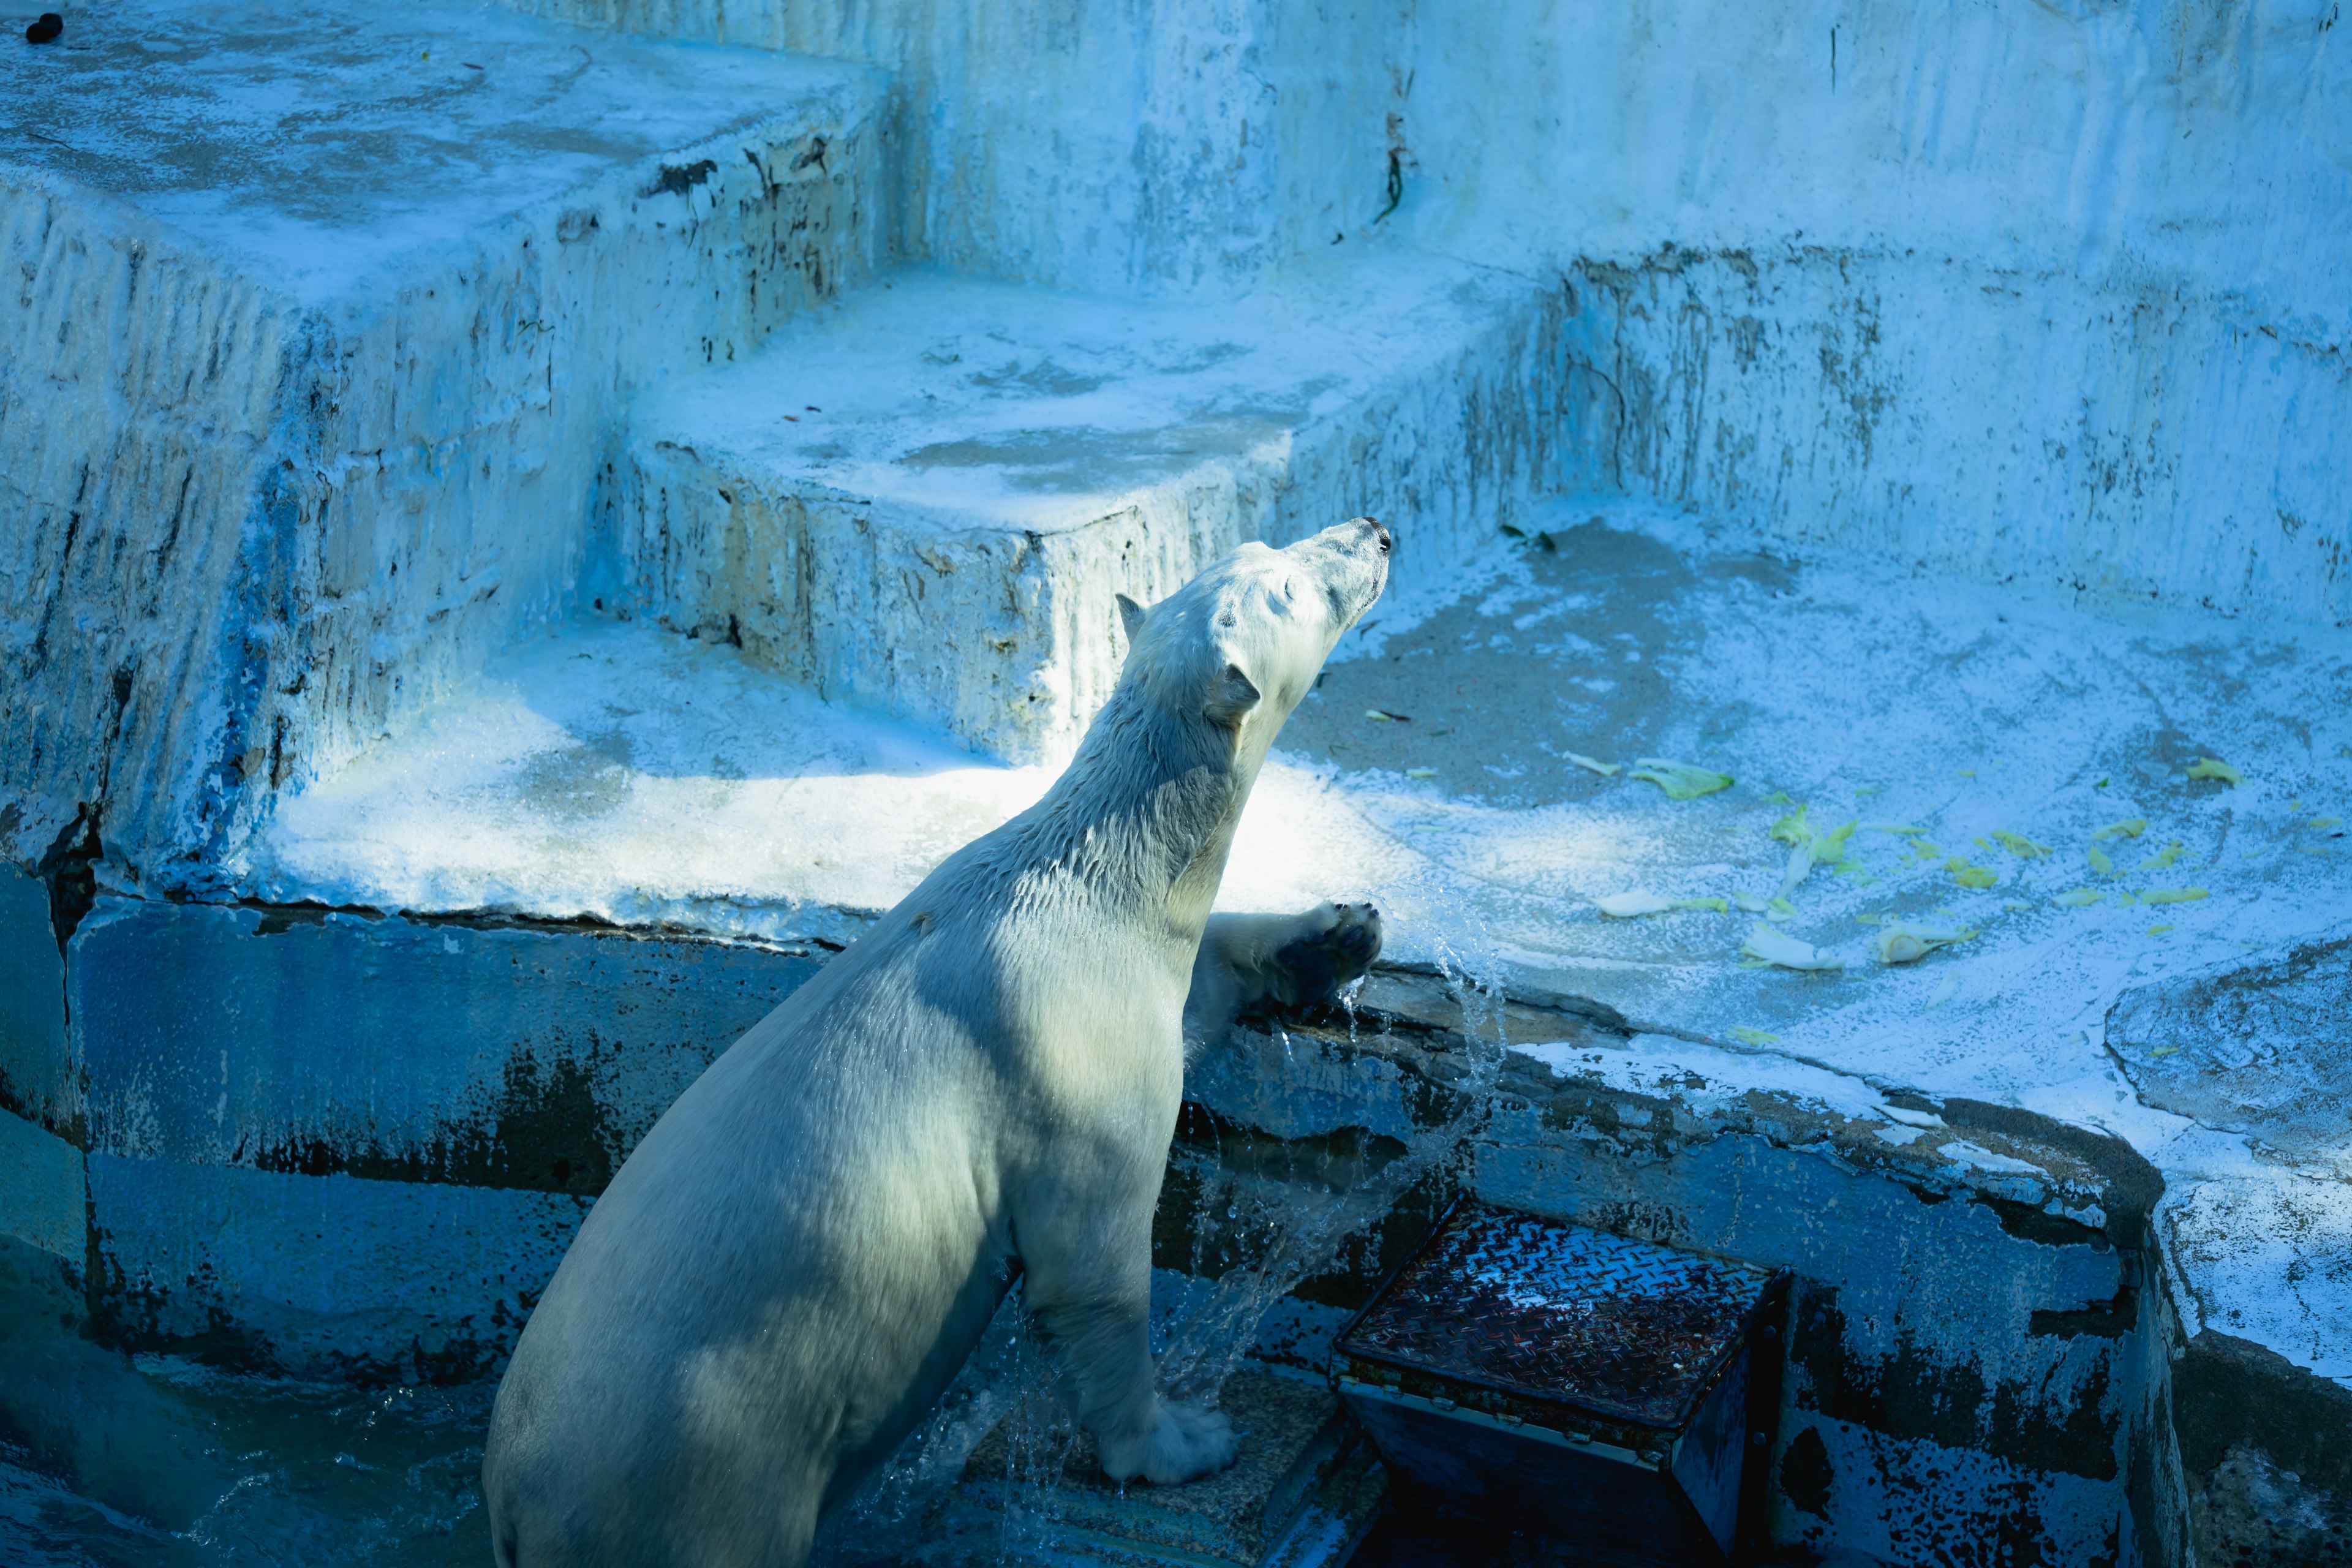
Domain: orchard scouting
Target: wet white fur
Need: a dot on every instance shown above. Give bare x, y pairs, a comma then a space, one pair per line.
1242, 963
791, 1267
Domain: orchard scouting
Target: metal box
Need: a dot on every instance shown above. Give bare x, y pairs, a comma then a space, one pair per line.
1608, 1393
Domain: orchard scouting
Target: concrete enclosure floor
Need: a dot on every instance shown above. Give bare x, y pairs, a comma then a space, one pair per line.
524, 527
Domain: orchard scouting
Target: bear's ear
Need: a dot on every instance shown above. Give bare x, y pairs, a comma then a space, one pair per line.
1231, 696
1130, 615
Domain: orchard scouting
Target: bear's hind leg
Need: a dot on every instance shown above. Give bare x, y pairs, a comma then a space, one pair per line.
1090, 1286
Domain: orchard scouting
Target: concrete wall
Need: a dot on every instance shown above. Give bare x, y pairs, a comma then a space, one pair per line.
1158, 146
359, 1144
2144, 441
2014, 288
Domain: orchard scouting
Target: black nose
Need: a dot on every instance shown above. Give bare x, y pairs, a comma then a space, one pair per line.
1379, 534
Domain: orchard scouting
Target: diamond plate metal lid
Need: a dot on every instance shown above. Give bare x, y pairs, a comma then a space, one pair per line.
1562, 1313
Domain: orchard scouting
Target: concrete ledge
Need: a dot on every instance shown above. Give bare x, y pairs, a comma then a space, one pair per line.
43, 1198
2262, 1046
926, 499
2233, 1394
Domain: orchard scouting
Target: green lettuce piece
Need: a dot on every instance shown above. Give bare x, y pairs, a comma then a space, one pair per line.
2019, 845
1968, 876
1593, 764
2131, 828
2099, 861
1793, 828
2215, 768
1681, 781
1747, 1036
2080, 897
2171, 895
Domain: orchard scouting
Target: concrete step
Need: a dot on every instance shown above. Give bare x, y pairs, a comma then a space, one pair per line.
924, 498
321, 324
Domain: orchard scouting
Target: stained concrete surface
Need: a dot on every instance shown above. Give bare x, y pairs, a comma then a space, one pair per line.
322, 1043
358, 1145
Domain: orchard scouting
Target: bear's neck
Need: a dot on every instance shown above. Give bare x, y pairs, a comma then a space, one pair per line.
1140, 823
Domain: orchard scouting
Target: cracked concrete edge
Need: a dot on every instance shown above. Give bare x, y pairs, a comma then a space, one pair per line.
2079, 1175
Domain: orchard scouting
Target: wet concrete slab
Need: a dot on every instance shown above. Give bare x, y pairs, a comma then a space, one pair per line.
321, 1276
43, 1197
1304, 1488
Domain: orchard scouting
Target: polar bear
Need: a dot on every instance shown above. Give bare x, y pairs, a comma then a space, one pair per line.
788, 1270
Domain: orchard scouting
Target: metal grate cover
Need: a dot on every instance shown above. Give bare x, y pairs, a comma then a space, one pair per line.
1561, 1313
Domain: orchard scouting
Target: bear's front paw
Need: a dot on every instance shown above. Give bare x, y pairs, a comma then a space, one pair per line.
1178, 1442
1336, 945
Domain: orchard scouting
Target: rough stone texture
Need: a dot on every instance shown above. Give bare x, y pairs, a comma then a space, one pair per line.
2265, 1256
2250, 1514
2234, 1398
42, 1196
2262, 1047
1949, 284
1165, 149
35, 1079
925, 499
298, 429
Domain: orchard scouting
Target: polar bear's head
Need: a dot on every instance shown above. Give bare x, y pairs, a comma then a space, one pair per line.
1239, 645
